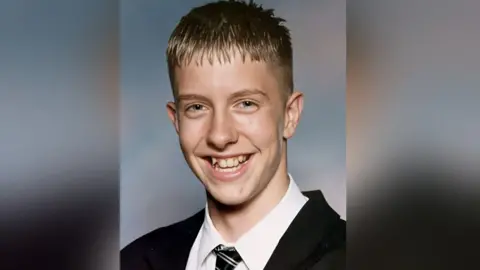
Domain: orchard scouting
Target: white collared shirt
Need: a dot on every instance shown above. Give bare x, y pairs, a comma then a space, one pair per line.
257, 245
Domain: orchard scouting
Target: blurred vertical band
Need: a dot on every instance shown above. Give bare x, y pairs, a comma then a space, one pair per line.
59, 168
413, 152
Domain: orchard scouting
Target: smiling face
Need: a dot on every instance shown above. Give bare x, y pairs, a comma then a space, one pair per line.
233, 120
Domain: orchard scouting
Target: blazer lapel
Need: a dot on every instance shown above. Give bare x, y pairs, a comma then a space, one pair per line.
180, 240
304, 236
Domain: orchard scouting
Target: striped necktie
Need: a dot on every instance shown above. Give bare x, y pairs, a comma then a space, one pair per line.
227, 258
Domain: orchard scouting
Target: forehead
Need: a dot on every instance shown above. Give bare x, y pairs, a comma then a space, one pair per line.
219, 77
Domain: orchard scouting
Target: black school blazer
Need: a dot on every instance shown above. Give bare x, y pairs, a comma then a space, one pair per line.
316, 240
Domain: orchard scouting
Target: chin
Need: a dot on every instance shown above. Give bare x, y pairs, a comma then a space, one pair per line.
224, 197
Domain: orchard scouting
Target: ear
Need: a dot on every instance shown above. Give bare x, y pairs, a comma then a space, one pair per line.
172, 114
293, 111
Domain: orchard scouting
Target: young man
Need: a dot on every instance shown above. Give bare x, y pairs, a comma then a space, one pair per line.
230, 66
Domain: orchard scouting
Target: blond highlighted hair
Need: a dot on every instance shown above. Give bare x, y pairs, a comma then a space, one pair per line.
217, 31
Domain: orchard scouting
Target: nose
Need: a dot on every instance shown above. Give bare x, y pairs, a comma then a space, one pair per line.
222, 132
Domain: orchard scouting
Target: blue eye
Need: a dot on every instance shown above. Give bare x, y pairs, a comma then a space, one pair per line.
247, 104
195, 107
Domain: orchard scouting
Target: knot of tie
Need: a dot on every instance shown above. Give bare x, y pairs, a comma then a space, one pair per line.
227, 257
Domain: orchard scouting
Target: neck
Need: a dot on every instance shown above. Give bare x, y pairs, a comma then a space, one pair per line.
234, 221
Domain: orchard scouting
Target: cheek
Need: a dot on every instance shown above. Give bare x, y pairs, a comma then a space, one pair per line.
261, 128
191, 132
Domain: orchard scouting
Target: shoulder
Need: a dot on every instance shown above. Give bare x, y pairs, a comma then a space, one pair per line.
337, 234
334, 227
331, 253
133, 256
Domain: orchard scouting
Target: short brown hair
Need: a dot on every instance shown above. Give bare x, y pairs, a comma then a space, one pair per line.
216, 30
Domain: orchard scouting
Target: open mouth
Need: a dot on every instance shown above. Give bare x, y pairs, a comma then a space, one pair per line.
230, 164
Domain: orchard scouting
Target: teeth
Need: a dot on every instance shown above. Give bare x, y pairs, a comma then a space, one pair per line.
229, 162
223, 163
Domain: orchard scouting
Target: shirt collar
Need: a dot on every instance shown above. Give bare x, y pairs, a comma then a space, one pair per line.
210, 239
270, 229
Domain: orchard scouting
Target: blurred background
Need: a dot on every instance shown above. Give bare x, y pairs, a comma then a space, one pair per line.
413, 154
59, 122
153, 171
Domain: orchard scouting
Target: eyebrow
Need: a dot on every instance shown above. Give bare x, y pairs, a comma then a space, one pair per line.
248, 92
236, 95
187, 97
